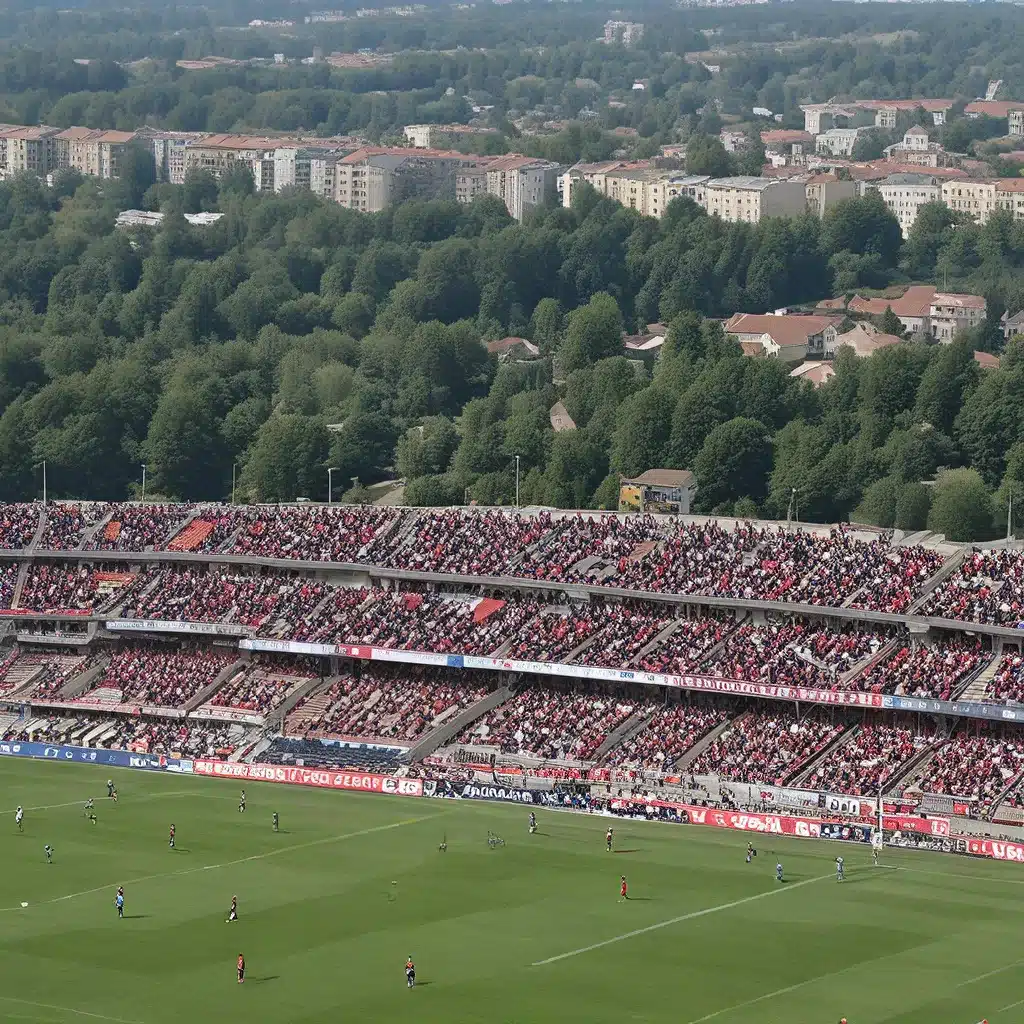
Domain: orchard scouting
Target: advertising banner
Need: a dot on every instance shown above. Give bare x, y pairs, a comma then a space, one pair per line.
995, 849
169, 626
301, 647
922, 826
323, 778
97, 755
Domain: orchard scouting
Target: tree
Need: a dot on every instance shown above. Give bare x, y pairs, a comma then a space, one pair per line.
427, 449
594, 333
891, 323
912, 507
865, 227
546, 324
878, 506
962, 507
643, 425
364, 447
706, 155
287, 460
185, 448
733, 462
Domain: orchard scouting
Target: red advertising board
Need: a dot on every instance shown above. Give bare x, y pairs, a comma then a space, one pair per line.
922, 826
323, 778
996, 850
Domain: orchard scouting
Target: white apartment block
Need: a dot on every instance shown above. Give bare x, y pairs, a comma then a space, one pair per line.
1016, 121
751, 199
905, 194
1010, 196
977, 199
625, 32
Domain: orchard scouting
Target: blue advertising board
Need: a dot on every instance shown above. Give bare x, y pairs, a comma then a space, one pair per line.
96, 755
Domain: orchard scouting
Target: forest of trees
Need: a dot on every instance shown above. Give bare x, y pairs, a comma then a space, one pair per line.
293, 335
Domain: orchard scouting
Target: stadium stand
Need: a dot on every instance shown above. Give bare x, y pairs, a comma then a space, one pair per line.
987, 587
977, 764
8, 582
667, 735
917, 670
767, 746
316, 754
133, 527
67, 524
62, 587
18, 525
265, 683
551, 722
312, 532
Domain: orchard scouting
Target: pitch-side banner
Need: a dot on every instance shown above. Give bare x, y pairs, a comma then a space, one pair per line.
996, 850
97, 755
323, 778
922, 826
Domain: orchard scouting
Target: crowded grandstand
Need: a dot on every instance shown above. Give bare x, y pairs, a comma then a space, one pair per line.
642, 653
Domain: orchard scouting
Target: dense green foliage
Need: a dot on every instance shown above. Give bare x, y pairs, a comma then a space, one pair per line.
294, 335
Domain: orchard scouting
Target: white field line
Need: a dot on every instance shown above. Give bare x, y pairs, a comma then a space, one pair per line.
992, 974
232, 863
66, 1009
678, 920
81, 803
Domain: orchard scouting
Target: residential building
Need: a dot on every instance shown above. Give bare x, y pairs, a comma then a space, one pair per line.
977, 199
1010, 196
29, 149
1012, 325
816, 371
513, 350
837, 141
913, 308
322, 174
217, 153
692, 186
905, 194
659, 490
733, 141
154, 218
521, 182
819, 117
916, 149
439, 136
470, 182
750, 199
560, 418
1015, 118
950, 314
863, 338
786, 337
169, 150
823, 191
785, 147
91, 151
625, 32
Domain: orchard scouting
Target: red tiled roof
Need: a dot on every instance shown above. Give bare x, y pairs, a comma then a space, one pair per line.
786, 331
915, 301
986, 360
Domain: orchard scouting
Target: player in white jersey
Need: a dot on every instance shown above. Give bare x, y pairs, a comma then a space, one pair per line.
840, 869
19, 817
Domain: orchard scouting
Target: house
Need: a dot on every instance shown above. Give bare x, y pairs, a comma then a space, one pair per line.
643, 344
917, 149
659, 490
913, 308
733, 140
560, 418
513, 350
837, 141
1012, 324
863, 338
950, 314
986, 360
815, 370
1016, 121
784, 147
1010, 196
789, 338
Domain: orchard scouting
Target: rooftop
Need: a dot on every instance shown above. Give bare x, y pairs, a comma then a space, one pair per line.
663, 478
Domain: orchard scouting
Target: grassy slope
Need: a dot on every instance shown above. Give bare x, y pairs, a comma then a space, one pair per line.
324, 931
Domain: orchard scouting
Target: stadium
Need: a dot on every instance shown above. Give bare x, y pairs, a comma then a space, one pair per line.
401, 685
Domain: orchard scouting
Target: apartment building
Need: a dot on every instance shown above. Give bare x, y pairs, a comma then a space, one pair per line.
29, 149
787, 147
217, 153
905, 194
1010, 196
750, 199
169, 149
977, 199
91, 151
521, 182
1016, 121
823, 191
949, 314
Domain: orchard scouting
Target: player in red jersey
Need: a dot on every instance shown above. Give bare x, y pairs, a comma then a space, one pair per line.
241, 968
170, 838
623, 889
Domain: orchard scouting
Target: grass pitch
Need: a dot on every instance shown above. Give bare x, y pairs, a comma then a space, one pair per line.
529, 932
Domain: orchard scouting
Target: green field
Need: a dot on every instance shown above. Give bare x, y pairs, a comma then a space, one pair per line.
925, 938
